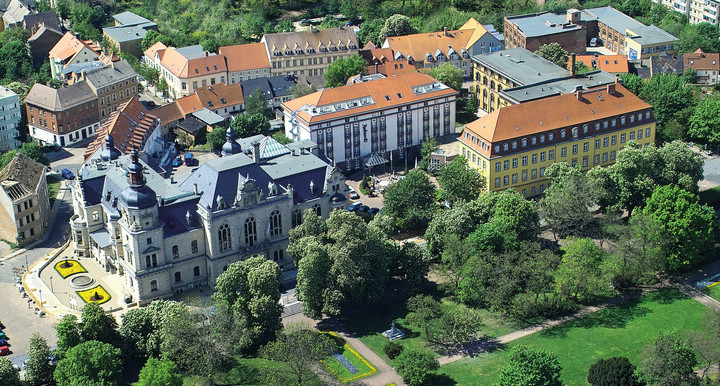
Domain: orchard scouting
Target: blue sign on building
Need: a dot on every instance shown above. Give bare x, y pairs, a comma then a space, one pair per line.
632, 54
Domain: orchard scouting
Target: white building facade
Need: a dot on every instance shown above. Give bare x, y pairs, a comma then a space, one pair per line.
10, 116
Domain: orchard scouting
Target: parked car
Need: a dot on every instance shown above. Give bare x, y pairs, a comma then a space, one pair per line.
353, 194
354, 206
363, 208
189, 160
4, 350
3, 336
67, 174
151, 103
373, 211
178, 161
53, 360
4, 342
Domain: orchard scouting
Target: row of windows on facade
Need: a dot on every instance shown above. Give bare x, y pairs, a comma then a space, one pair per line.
22, 234
534, 172
123, 94
310, 50
301, 62
67, 112
563, 134
250, 231
28, 219
27, 205
110, 88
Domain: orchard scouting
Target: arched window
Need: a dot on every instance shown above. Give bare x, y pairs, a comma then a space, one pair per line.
175, 251
275, 223
296, 218
153, 285
154, 260
250, 231
196, 271
224, 237
318, 210
193, 246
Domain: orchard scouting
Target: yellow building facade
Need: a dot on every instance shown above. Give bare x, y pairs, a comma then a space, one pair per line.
512, 147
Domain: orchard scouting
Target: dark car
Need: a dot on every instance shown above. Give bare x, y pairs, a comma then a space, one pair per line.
4, 342
363, 208
151, 103
373, 211
67, 174
3, 336
354, 206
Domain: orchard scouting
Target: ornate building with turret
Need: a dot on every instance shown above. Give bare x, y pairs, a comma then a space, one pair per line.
164, 236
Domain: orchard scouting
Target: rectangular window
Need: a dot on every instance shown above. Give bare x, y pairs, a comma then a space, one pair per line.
550, 137
506, 180
506, 164
515, 163
563, 152
639, 134
542, 172
524, 175
622, 138
551, 154
534, 158
613, 140
597, 158
497, 166
497, 182
597, 143
647, 132
533, 174
575, 149
586, 146
605, 142
632, 135
585, 162
612, 155
514, 178
605, 158
542, 156
524, 160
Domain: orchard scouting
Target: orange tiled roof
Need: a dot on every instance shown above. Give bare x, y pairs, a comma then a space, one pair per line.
700, 60
189, 68
384, 92
150, 52
168, 113
608, 63
69, 46
245, 57
212, 97
189, 103
419, 45
130, 125
547, 114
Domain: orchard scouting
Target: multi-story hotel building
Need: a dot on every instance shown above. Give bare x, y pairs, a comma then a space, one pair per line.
517, 75
511, 147
159, 237
10, 116
62, 116
308, 53
353, 122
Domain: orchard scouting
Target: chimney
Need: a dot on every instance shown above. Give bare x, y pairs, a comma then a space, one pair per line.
256, 151
572, 64
610, 88
445, 31
196, 189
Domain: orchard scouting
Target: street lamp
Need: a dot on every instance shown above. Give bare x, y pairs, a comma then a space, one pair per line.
27, 266
40, 292
51, 285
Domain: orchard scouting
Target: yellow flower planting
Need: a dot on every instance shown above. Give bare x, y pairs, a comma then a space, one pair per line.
69, 267
94, 295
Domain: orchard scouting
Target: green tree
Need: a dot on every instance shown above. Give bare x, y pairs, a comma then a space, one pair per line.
520, 213
97, 325
300, 349
250, 288
530, 367
153, 37
300, 89
427, 147
34, 151
704, 122
459, 182
454, 223
554, 53
410, 264
668, 360
247, 125
686, 227
566, 203
393, 349
141, 328
338, 73
282, 138
68, 334
633, 83
411, 200
90, 362
613, 371
448, 75
256, 104
162, 86
217, 138
159, 372
15, 62
6, 157
395, 25
458, 325
370, 32
9, 375
423, 311
415, 365
668, 94
579, 275
39, 371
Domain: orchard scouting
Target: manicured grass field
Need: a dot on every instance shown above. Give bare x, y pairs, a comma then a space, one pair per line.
622, 330
369, 324
53, 185
365, 369
713, 291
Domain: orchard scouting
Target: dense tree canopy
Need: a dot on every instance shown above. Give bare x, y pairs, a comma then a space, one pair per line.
300, 348
448, 75
68, 334
158, 372
529, 367
566, 203
141, 327
704, 122
612, 372
579, 275
9, 375
459, 182
38, 369
554, 53
414, 365
410, 201
338, 73
668, 360
90, 362
395, 25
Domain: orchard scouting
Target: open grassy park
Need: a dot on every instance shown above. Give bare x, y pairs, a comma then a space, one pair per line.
713, 291
623, 330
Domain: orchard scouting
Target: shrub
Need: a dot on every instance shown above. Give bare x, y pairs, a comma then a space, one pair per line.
392, 349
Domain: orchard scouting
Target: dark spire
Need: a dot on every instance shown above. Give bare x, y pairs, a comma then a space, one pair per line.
136, 179
230, 147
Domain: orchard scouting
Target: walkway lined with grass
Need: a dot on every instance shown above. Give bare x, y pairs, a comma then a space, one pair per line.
622, 330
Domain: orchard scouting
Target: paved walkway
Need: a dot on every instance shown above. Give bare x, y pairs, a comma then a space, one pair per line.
386, 375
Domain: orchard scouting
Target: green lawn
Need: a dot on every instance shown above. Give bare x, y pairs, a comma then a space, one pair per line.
369, 324
345, 376
53, 185
622, 330
713, 291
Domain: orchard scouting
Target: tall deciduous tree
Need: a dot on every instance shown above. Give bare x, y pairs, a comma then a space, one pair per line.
566, 203
669, 360
9, 375
157, 372
423, 311
68, 334
33, 151
554, 53
613, 371
459, 325
686, 227
415, 365
255, 103
705, 120
579, 275
668, 94
427, 147
459, 182
338, 73
90, 362
97, 325
141, 327
448, 75
302, 88
528, 367
247, 125
411, 200
300, 349
395, 25
39, 371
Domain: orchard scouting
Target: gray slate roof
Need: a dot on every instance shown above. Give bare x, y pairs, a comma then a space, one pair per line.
49, 19
652, 35
62, 98
110, 74
272, 87
543, 23
564, 85
129, 18
611, 17
521, 65
126, 33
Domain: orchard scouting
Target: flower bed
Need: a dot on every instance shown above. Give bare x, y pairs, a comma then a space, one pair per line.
361, 365
89, 295
74, 268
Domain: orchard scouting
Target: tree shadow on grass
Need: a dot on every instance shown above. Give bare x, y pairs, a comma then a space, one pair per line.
370, 320
438, 380
614, 317
666, 296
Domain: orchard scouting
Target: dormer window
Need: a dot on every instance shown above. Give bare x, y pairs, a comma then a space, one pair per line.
354, 47
222, 100
298, 51
277, 53
207, 68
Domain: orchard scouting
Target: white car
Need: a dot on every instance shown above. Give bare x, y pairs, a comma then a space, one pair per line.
353, 194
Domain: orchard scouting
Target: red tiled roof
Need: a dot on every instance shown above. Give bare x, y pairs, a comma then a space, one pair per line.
129, 126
